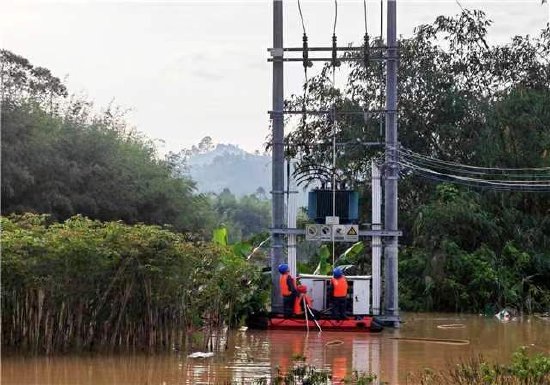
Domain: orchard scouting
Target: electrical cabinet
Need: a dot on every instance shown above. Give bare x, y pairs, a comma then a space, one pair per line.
359, 301
316, 289
361, 296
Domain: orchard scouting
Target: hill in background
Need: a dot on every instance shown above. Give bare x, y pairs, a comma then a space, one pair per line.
228, 166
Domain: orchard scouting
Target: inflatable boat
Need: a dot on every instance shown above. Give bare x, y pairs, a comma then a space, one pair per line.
365, 324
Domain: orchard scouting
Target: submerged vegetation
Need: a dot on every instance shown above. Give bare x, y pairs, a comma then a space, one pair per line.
85, 284
523, 370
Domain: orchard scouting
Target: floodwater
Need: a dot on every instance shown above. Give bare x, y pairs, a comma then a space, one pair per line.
253, 354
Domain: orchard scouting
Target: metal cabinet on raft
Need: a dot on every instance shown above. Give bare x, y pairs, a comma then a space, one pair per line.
359, 292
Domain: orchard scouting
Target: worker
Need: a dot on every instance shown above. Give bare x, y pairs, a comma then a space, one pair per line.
299, 308
339, 291
288, 290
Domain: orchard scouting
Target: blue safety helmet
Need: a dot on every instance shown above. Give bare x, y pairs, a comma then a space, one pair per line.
283, 268
337, 273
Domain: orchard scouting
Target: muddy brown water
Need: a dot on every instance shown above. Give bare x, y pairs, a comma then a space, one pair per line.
253, 354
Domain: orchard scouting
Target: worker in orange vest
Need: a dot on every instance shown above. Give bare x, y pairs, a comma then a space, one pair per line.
288, 290
299, 308
339, 290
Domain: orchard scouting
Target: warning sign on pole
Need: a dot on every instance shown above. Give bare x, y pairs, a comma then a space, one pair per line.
312, 233
326, 233
352, 233
341, 233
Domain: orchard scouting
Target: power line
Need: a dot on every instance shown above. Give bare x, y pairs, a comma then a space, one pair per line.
502, 169
335, 16
365, 14
531, 186
301, 17
435, 164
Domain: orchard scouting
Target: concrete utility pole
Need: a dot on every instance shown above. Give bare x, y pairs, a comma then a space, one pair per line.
391, 172
277, 156
376, 240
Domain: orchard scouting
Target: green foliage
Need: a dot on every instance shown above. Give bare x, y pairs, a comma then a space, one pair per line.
243, 217
220, 236
351, 255
523, 370
302, 373
360, 378
461, 101
85, 284
60, 157
324, 267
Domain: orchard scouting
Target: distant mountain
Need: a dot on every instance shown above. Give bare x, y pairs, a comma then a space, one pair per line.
228, 166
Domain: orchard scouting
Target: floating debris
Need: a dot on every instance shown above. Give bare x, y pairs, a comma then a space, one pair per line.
451, 326
432, 340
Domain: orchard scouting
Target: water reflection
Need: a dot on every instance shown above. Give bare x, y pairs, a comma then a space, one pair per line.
255, 354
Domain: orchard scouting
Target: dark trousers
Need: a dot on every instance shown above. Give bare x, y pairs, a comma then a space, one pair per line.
288, 305
339, 307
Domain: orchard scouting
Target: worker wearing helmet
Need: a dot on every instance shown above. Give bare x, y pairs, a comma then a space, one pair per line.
339, 290
288, 289
303, 302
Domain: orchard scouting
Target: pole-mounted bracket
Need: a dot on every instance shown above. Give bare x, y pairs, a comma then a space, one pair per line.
276, 52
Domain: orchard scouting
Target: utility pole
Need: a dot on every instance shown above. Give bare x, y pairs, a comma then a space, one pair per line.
390, 232
376, 191
277, 156
391, 171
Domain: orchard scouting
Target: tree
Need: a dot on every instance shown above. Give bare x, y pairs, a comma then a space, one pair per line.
71, 160
462, 101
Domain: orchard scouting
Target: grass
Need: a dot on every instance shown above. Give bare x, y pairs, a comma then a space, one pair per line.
523, 370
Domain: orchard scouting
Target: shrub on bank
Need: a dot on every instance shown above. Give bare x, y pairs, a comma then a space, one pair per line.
85, 284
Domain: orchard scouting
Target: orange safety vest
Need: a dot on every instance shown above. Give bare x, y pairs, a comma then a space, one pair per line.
339, 287
298, 303
285, 290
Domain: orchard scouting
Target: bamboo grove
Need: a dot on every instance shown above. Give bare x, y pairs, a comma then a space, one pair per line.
88, 285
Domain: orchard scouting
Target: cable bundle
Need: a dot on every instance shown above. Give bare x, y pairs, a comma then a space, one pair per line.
527, 179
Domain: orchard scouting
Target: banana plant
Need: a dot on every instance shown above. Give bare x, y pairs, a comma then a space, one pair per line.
347, 257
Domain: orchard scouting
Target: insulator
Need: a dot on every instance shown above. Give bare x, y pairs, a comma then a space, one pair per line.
366, 47
335, 61
305, 54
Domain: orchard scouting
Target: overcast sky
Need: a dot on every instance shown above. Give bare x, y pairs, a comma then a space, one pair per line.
188, 69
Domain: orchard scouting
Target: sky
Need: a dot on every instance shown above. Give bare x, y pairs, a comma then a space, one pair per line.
188, 69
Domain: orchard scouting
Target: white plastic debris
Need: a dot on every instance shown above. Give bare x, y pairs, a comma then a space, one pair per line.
201, 355
503, 315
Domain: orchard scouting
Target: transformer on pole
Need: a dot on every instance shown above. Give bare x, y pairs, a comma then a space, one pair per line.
389, 170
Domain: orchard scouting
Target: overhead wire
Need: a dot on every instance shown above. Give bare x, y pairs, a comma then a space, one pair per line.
365, 15
301, 17
504, 169
480, 173
480, 184
335, 16
476, 176
501, 184
504, 182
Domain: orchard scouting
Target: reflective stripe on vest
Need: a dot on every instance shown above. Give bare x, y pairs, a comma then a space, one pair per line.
285, 290
340, 287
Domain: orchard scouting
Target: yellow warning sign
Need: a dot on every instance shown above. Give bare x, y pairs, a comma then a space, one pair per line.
352, 231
